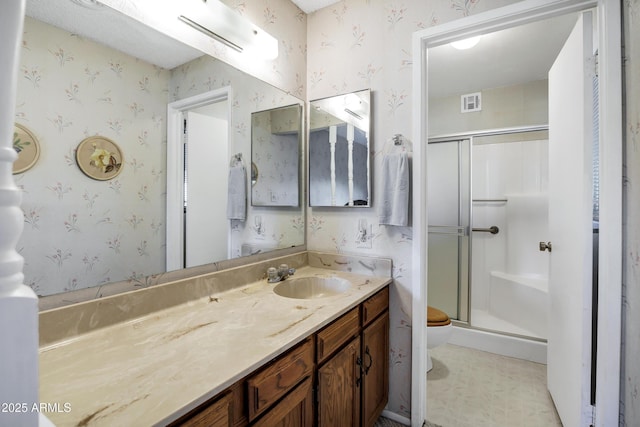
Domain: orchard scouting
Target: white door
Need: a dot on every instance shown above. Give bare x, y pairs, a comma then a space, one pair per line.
570, 226
207, 169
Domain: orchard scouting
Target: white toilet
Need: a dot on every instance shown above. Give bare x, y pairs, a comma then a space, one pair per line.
439, 329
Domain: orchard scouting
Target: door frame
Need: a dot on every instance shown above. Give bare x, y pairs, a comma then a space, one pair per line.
175, 169
610, 261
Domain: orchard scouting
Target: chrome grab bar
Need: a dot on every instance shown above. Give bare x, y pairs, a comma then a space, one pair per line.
490, 200
493, 230
453, 230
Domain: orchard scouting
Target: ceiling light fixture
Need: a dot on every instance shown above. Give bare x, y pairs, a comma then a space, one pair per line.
225, 25
466, 43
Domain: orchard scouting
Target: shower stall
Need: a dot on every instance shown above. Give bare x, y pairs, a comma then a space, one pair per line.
487, 211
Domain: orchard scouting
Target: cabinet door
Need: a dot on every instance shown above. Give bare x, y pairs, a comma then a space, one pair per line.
295, 410
339, 384
375, 366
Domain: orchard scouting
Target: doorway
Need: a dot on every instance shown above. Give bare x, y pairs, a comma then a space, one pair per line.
610, 152
206, 154
198, 152
487, 210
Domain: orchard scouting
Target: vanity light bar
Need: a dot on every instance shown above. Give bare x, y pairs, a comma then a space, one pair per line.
218, 21
357, 116
209, 33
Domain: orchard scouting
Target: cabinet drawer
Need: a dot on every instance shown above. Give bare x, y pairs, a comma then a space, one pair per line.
216, 414
272, 382
375, 305
332, 337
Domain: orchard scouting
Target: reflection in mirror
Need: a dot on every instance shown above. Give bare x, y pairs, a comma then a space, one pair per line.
275, 151
81, 233
339, 150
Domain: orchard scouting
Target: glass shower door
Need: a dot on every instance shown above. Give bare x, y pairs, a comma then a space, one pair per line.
449, 215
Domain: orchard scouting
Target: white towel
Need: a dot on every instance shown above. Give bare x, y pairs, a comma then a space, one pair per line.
394, 200
237, 199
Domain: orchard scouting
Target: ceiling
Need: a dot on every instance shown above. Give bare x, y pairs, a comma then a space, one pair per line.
504, 58
114, 29
309, 6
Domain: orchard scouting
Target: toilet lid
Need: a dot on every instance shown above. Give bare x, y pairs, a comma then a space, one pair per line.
437, 317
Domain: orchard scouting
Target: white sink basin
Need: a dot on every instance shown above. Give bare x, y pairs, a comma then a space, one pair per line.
312, 287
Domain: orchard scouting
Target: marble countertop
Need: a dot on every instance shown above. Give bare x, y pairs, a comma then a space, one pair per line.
153, 369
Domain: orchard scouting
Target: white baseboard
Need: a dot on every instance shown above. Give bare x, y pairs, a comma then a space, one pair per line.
397, 418
520, 348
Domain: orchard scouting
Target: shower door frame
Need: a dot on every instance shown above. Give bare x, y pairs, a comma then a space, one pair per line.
470, 136
463, 228
611, 143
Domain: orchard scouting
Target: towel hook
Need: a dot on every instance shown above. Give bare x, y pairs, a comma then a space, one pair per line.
397, 139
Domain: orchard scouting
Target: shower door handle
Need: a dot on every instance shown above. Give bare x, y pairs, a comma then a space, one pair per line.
545, 246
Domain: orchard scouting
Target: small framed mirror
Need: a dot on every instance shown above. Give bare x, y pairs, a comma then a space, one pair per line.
339, 133
276, 140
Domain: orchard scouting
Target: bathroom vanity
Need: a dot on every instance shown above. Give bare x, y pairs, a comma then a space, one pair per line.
237, 354
339, 373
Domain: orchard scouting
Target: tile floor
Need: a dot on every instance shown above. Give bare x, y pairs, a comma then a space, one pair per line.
473, 388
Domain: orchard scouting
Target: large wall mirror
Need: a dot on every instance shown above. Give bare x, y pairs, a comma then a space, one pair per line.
339, 134
82, 233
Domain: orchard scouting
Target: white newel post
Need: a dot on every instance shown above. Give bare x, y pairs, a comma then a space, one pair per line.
18, 303
350, 138
333, 138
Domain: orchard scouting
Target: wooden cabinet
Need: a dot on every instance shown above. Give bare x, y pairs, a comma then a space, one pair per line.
295, 410
353, 385
270, 383
346, 364
217, 413
375, 367
339, 385
338, 333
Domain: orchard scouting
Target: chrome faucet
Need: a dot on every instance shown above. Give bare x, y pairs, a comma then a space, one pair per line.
279, 274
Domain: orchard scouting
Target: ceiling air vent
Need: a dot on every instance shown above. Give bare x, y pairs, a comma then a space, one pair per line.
471, 102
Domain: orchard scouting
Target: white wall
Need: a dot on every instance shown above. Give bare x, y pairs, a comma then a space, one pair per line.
508, 106
517, 172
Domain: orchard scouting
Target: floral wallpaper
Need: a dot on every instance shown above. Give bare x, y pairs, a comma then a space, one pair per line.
630, 399
265, 227
286, 22
78, 231
360, 44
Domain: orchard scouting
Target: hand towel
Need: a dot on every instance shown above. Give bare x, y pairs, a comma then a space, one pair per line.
237, 196
394, 200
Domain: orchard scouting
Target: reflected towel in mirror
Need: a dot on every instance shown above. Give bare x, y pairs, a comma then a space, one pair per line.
237, 198
394, 200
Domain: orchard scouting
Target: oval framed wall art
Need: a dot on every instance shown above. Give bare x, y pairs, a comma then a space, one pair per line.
27, 146
99, 158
